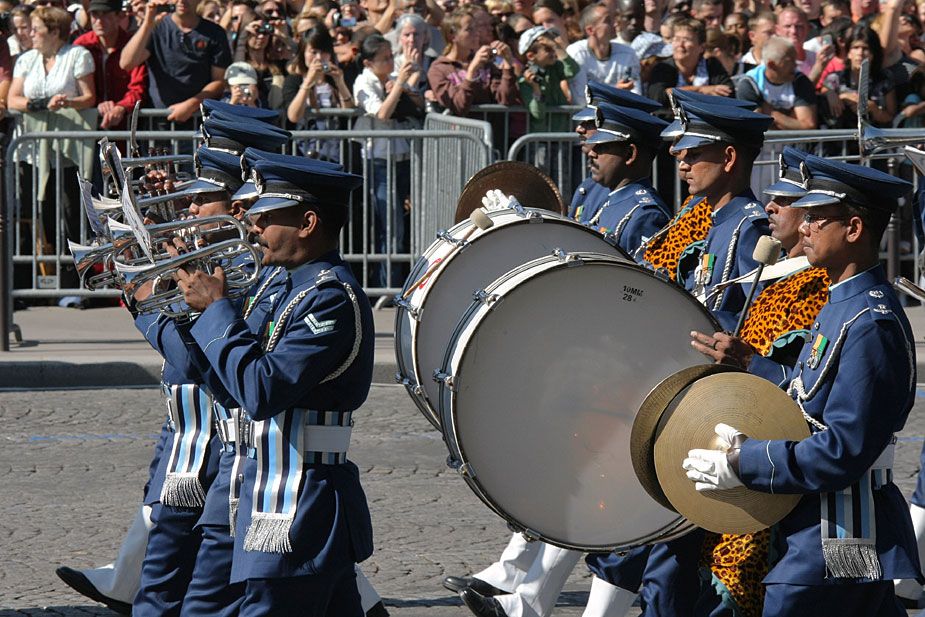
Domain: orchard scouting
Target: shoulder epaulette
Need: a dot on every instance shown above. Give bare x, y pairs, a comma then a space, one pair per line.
879, 305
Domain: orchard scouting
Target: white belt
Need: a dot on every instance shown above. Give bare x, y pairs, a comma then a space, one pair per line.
228, 431
326, 438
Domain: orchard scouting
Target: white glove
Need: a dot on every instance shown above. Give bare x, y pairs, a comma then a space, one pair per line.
710, 469
496, 200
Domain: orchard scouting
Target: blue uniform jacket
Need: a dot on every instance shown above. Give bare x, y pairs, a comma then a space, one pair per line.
633, 214
863, 398
727, 254
332, 527
587, 200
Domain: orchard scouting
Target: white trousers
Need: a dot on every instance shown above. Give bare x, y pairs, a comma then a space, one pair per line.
121, 579
509, 571
536, 594
608, 600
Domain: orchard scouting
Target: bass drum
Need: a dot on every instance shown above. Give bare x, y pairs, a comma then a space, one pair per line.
539, 388
460, 261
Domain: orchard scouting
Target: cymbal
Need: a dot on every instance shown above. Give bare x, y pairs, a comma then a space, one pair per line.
531, 187
642, 439
752, 405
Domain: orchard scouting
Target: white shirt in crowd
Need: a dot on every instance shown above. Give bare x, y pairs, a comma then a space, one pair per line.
71, 63
622, 64
369, 94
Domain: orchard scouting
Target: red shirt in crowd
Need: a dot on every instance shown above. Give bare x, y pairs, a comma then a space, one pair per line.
124, 88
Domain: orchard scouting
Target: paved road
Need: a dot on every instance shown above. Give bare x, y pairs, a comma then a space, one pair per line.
72, 464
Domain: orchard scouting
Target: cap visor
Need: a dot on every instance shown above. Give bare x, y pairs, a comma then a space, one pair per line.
248, 190
202, 186
603, 137
812, 200
785, 189
265, 204
672, 130
585, 115
689, 142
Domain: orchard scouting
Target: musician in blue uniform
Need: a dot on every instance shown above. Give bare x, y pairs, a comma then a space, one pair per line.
187, 524
620, 155
716, 152
590, 195
716, 143
302, 520
850, 535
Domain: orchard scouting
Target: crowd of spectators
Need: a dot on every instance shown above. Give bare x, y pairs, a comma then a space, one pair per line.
798, 61
387, 63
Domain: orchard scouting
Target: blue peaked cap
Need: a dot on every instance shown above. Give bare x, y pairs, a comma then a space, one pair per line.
833, 182
216, 170
616, 123
210, 106
234, 133
790, 182
704, 124
675, 129
250, 157
596, 92
282, 183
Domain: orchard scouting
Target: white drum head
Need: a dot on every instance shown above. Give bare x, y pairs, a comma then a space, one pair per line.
546, 384
442, 299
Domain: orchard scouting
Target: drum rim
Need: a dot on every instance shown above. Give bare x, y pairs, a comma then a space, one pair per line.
473, 316
431, 409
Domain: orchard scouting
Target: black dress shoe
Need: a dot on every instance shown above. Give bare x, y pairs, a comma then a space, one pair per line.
481, 606
457, 583
82, 585
377, 610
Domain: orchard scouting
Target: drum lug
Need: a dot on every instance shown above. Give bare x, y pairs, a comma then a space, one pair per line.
404, 305
446, 237
569, 259
466, 471
446, 379
485, 298
530, 535
411, 385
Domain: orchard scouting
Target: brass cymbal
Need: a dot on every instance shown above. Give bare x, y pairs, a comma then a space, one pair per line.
531, 187
642, 439
752, 405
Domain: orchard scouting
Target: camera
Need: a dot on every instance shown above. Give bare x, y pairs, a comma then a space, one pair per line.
827, 40
325, 67
165, 8
265, 28
38, 104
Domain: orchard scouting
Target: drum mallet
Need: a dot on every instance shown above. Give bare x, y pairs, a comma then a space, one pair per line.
766, 253
479, 220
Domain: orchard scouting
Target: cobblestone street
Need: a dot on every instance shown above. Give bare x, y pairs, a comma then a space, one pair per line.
73, 464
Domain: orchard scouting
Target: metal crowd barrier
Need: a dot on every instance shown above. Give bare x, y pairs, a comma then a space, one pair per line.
40, 266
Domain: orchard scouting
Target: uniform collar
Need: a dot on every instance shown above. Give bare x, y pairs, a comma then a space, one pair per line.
307, 272
859, 283
735, 207
631, 188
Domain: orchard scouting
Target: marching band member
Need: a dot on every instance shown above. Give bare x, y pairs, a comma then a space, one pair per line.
708, 243
183, 526
529, 577
302, 520
621, 152
590, 195
770, 340
850, 535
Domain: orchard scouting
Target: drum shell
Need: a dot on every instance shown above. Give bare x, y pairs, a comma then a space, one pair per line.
428, 314
500, 462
